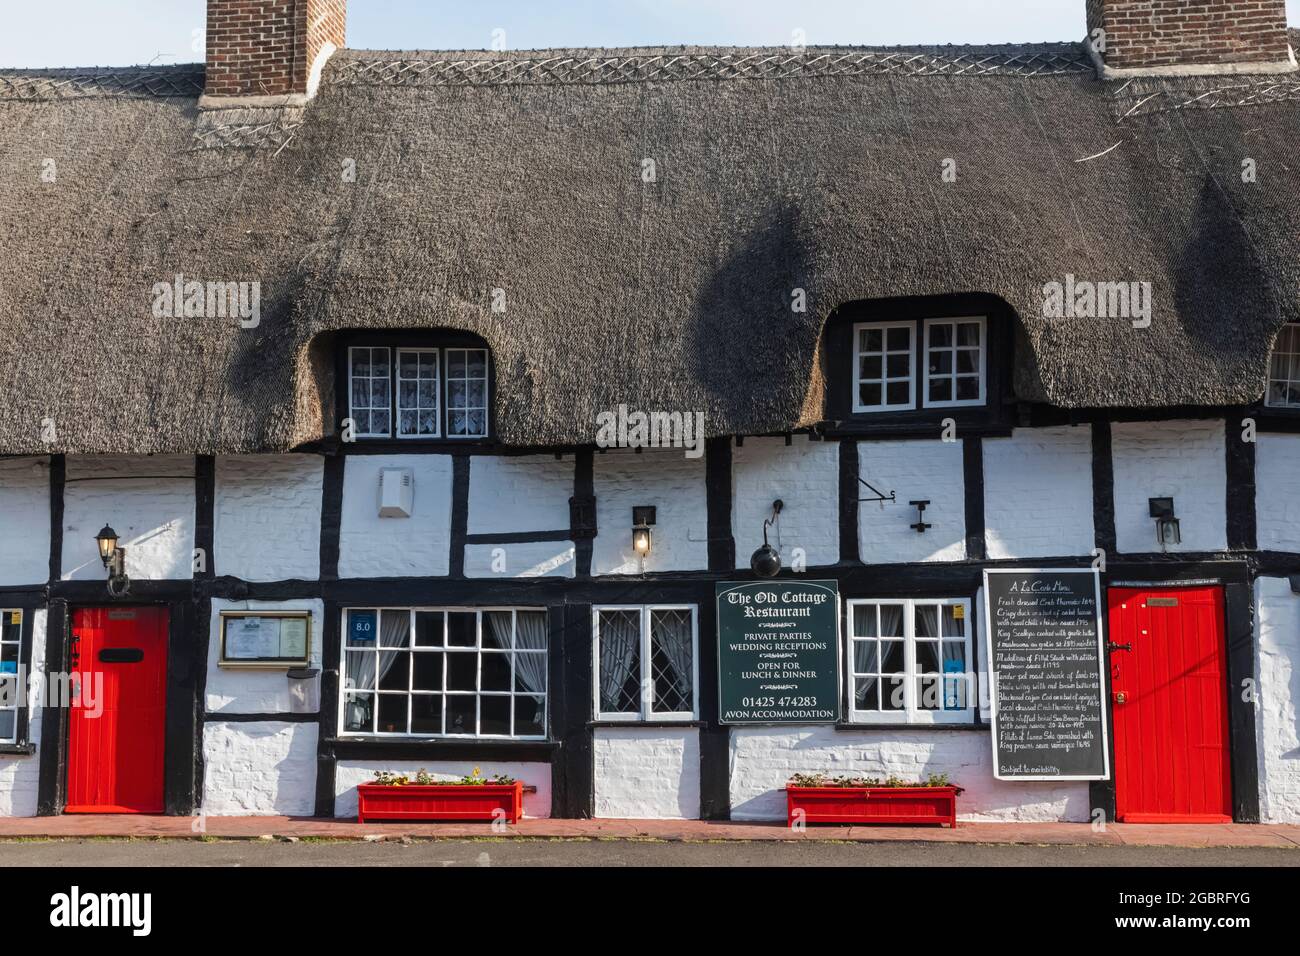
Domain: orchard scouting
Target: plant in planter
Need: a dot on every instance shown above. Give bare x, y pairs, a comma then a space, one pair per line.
817, 798
473, 797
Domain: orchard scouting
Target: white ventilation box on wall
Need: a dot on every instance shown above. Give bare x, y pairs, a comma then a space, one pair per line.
396, 492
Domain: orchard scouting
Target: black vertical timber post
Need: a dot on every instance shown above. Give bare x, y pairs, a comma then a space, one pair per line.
849, 469
331, 636
50, 787
1101, 793
972, 460
1239, 455
1239, 624
575, 733
459, 514
584, 489
58, 480
715, 738
205, 505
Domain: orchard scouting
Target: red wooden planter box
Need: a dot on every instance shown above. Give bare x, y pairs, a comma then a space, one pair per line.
446, 802
901, 806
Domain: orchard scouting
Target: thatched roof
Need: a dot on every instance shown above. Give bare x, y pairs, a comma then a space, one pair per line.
523, 172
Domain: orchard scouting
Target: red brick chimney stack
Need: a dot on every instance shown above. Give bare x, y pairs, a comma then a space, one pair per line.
269, 51
1189, 36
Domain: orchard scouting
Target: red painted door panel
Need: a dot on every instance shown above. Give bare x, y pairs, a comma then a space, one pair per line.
116, 735
1169, 704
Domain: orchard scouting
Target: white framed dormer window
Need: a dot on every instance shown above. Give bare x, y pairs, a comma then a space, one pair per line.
1284, 369
444, 672
646, 662
418, 393
920, 363
910, 661
884, 361
11, 644
954, 362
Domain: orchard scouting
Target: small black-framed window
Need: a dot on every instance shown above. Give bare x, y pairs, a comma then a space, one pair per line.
936, 362
416, 387
1284, 370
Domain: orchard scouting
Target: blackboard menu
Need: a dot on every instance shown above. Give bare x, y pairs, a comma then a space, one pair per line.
778, 652
1046, 671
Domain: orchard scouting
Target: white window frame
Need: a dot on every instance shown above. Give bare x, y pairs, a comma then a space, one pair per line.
396, 388
1293, 328
885, 378
410, 693
647, 713
486, 408
911, 713
955, 402
352, 399
19, 691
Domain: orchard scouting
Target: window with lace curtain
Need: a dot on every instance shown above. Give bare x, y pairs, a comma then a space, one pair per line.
910, 661
445, 672
646, 666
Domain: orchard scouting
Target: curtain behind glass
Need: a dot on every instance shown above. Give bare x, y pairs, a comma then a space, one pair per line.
670, 633
530, 634
620, 638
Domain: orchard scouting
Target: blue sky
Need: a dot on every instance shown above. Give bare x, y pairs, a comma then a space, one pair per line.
125, 32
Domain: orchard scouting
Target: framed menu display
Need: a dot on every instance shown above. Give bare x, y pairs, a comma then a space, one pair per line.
265, 638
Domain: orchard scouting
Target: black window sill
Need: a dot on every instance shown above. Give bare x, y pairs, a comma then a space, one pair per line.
602, 724
17, 750
846, 726
466, 743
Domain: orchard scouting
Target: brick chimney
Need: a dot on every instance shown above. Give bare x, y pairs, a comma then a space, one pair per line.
1189, 37
269, 52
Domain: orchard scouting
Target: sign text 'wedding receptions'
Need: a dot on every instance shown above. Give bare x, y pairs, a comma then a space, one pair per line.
778, 652
1046, 667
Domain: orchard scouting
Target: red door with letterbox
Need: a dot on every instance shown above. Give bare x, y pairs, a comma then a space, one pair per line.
1169, 703
116, 723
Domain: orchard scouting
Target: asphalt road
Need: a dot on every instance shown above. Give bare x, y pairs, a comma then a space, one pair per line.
525, 852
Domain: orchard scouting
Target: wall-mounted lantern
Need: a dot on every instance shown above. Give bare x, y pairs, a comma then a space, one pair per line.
643, 516
114, 559
1167, 533
766, 561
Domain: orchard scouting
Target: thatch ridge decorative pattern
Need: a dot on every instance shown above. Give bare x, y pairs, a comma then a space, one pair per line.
601, 67
168, 81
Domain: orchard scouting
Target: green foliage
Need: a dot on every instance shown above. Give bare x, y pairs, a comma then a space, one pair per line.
822, 780
423, 778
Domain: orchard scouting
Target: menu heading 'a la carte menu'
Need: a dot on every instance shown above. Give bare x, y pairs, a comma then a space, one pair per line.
1045, 663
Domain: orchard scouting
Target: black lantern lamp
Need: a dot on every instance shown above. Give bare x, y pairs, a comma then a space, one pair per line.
766, 561
1167, 533
643, 516
114, 559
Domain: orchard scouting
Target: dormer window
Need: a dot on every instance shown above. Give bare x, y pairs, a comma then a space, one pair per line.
1284, 369
418, 393
920, 363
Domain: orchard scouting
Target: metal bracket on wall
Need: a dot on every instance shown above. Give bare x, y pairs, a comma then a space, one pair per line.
880, 495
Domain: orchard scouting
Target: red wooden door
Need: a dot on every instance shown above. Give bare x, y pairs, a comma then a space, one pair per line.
1169, 704
116, 734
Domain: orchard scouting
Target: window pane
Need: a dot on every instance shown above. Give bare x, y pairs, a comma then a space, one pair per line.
530, 716
359, 671
866, 657
620, 642
940, 334
864, 620
672, 655
929, 693
494, 715
899, 366
870, 340
869, 366
866, 693
968, 361
892, 694
954, 657
495, 673
927, 620
497, 626
891, 620
358, 713
8, 691
8, 724
927, 657
869, 395
952, 626
891, 656
462, 714
968, 333
530, 630
462, 629
394, 670
968, 389
381, 422
899, 393
900, 339
462, 671
530, 673
940, 390
940, 362
426, 714
392, 714
427, 670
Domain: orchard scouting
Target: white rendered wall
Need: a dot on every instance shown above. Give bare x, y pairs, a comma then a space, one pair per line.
259, 769
1038, 493
514, 493
674, 485
25, 520
526, 559
266, 521
1277, 491
375, 547
927, 469
806, 477
234, 690
647, 773
764, 758
349, 773
1182, 459
149, 502
1277, 675
20, 775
